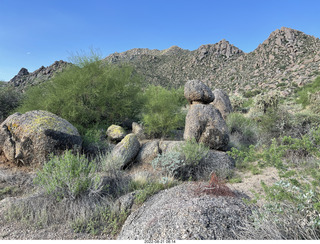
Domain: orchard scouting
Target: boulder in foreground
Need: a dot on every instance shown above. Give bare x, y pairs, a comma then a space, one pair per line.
181, 214
30, 138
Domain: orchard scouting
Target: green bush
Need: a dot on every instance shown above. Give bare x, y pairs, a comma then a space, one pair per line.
183, 161
267, 101
9, 99
304, 92
243, 130
67, 176
169, 162
193, 152
89, 95
162, 110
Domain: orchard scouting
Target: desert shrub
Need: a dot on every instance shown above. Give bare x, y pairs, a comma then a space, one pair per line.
265, 102
251, 93
314, 100
68, 176
94, 142
274, 123
303, 94
243, 130
9, 99
89, 95
183, 161
169, 162
162, 110
281, 222
193, 152
102, 221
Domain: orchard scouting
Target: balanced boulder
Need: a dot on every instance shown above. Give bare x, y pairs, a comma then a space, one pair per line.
30, 138
222, 102
197, 92
206, 125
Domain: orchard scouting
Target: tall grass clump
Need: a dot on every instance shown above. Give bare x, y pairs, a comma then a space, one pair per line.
162, 110
89, 94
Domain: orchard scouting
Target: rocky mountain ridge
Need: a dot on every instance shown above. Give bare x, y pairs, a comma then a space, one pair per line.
287, 59
25, 79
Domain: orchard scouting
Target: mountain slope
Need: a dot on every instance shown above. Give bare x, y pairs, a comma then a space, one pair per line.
288, 58
25, 79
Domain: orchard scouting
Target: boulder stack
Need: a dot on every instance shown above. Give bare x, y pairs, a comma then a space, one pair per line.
204, 122
197, 92
222, 102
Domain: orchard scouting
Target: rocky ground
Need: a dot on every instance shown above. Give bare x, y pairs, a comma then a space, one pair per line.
19, 184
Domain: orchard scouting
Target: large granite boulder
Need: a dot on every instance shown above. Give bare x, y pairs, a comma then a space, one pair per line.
125, 151
206, 125
222, 102
180, 213
29, 138
197, 92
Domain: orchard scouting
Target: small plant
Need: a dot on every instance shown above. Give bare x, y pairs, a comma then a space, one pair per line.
68, 176
193, 152
267, 101
169, 162
216, 187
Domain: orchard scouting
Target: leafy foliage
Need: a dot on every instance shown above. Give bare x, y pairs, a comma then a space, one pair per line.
193, 152
89, 95
9, 99
243, 130
305, 92
162, 110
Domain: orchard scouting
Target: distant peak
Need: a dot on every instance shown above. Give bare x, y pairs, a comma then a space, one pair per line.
23, 71
223, 47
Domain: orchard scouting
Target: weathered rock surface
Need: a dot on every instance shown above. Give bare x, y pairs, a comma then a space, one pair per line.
167, 146
222, 102
206, 125
125, 151
196, 91
29, 138
148, 152
116, 133
180, 214
138, 130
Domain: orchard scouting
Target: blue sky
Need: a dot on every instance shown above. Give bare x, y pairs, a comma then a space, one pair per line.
35, 33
